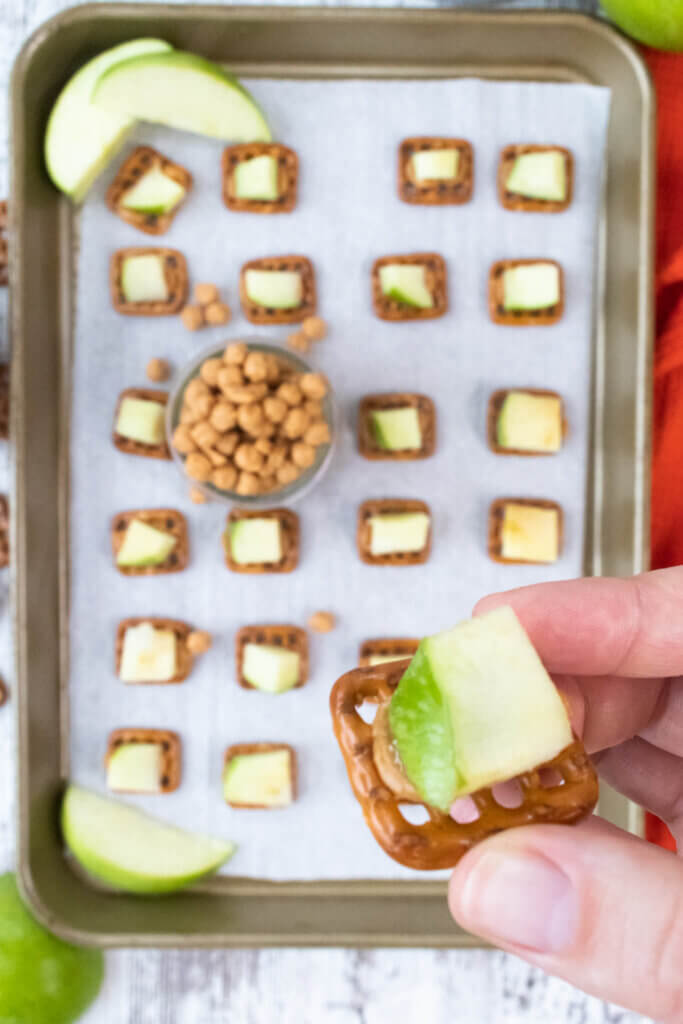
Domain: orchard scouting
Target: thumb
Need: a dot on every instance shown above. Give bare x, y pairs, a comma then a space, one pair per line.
592, 904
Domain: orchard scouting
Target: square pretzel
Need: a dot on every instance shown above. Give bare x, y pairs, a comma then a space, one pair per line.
171, 756
175, 274
127, 444
390, 309
494, 409
367, 441
183, 655
289, 638
390, 506
287, 177
168, 520
245, 749
521, 317
397, 648
265, 315
496, 521
435, 192
442, 841
515, 201
289, 536
142, 160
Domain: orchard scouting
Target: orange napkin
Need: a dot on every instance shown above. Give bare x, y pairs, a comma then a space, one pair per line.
667, 465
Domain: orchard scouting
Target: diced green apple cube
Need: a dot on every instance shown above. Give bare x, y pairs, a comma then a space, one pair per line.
397, 429
148, 655
530, 533
530, 423
406, 283
475, 707
435, 164
143, 279
135, 768
257, 178
274, 289
154, 193
260, 780
256, 541
141, 420
144, 545
539, 176
391, 533
531, 286
270, 668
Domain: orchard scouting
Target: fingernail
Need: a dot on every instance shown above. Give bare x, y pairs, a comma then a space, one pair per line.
520, 899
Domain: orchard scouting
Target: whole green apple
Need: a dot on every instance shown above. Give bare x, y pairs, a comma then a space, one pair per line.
42, 979
658, 23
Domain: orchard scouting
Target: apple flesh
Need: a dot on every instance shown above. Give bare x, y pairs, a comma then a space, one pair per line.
141, 420
401, 532
80, 138
145, 545
531, 286
658, 23
406, 283
530, 533
475, 707
530, 423
143, 279
257, 178
132, 851
259, 780
153, 194
274, 289
148, 655
539, 176
256, 541
182, 90
397, 429
270, 668
435, 164
135, 768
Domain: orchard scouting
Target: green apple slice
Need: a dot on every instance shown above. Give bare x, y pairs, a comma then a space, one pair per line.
256, 541
148, 655
475, 707
80, 138
257, 178
435, 164
384, 659
530, 423
182, 91
397, 429
406, 283
42, 979
270, 668
530, 533
539, 176
274, 289
125, 848
392, 533
154, 193
143, 279
135, 768
145, 545
531, 286
141, 420
259, 780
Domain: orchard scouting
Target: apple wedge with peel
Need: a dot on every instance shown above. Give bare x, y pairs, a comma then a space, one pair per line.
130, 850
182, 90
475, 707
81, 138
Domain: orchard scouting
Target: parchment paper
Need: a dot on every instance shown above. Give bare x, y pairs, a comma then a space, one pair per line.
346, 134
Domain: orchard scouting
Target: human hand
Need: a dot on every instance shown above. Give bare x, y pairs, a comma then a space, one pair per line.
591, 903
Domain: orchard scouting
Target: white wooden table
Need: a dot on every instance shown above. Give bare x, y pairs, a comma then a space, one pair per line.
290, 986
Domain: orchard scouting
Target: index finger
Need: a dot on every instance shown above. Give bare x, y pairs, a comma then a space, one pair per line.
600, 626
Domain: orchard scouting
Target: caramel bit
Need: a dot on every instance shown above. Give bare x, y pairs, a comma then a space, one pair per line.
198, 467
314, 328
236, 353
197, 496
322, 622
192, 317
299, 342
217, 313
158, 370
205, 294
198, 641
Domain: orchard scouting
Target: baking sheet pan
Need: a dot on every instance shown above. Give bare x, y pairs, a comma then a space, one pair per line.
311, 43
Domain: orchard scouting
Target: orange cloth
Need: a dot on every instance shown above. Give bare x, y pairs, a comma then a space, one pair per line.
667, 464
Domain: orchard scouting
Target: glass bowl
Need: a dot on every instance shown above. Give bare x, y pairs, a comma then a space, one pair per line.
289, 493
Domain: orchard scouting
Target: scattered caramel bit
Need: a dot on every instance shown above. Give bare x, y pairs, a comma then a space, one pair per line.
322, 622
198, 641
299, 341
217, 313
158, 370
192, 317
205, 294
197, 496
315, 328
